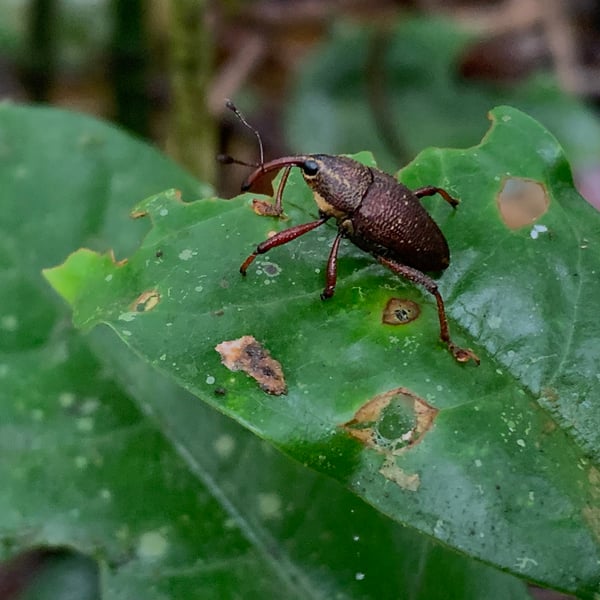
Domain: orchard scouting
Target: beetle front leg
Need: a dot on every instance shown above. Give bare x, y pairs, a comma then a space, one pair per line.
267, 209
332, 268
283, 237
431, 190
460, 354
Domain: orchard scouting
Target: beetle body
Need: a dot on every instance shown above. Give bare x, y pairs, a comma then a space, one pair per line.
372, 210
377, 213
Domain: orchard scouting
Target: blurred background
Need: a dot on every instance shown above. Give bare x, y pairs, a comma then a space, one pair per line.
333, 76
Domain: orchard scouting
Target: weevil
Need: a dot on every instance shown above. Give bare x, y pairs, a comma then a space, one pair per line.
372, 210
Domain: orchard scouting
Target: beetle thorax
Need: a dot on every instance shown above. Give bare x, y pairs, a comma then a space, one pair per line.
339, 184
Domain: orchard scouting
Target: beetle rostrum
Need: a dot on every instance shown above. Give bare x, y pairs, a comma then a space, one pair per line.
373, 210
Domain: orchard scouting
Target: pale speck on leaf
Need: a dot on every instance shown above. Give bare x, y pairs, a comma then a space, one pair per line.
224, 445
66, 399
127, 316
186, 254
152, 545
81, 462
9, 323
85, 424
269, 505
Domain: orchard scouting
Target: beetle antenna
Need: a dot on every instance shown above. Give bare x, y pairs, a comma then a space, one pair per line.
233, 108
227, 159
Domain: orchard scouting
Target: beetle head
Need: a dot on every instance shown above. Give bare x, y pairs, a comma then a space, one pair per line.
339, 183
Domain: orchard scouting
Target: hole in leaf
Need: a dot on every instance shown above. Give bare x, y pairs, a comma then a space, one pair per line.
522, 201
392, 422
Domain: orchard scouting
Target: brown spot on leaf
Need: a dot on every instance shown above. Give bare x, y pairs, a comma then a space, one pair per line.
111, 254
591, 513
138, 214
522, 201
248, 355
399, 311
391, 423
550, 394
145, 301
592, 516
265, 208
407, 481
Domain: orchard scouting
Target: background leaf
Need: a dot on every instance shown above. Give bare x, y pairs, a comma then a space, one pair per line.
505, 473
397, 92
180, 502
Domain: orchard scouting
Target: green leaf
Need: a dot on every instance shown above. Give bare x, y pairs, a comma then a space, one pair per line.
502, 469
101, 454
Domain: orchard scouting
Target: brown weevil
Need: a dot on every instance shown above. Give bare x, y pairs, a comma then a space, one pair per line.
372, 209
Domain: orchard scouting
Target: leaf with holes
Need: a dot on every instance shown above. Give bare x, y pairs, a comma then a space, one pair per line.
504, 470
101, 454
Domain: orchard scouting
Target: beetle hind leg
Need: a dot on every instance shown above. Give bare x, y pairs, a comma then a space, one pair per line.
431, 190
416, 276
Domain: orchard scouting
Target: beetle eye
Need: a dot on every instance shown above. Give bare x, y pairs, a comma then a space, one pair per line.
310, 167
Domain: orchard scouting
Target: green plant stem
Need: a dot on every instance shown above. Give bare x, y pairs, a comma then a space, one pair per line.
193, 133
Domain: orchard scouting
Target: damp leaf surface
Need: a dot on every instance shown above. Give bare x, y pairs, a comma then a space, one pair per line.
507, 472
102, 454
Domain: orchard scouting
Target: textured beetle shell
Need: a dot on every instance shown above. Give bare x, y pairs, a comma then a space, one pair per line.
387, 218
391, 222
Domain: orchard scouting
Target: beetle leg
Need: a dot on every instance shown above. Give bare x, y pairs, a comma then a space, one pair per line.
280, 187
267, 209
283, 237
430, 190
460, 354
332, 268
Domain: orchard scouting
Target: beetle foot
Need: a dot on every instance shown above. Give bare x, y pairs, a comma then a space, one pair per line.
266, 209
463, 354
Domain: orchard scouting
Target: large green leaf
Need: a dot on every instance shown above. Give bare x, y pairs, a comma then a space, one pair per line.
506, 473
101, 454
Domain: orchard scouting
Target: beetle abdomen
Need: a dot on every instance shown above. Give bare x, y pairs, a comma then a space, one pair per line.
391, 222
